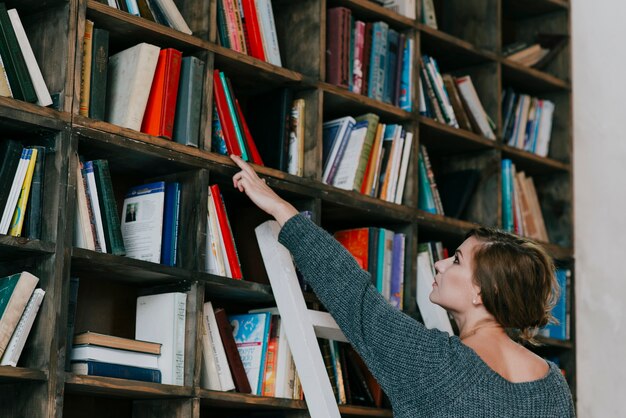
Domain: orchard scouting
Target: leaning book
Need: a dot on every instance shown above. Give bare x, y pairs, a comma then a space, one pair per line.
142, 221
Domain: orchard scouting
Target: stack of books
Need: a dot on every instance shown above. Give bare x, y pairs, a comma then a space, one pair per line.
163, 12
369, 157
381, 252
248, 26
19, 304
222, 257
144, 88
521, 211
527, 122
369, 58
97, 225
231, 134
20, 76
21, 188
452, 100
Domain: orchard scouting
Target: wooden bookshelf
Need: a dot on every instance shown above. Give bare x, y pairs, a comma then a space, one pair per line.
469, 39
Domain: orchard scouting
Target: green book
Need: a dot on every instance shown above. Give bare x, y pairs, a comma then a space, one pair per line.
98, 77
110, 217
13, 60
370, 135
15, 291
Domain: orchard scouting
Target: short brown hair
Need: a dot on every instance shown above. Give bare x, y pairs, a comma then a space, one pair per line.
517, 281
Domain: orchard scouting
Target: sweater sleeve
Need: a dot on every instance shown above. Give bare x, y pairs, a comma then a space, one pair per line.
398, 350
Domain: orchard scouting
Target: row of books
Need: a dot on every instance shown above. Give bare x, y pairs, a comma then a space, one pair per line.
521, 210
452, 100
148, 228
222, 257
560, 328
145, 88
157, 354
381, 252
163, 12
369, 58
20, 76
21, 188
248, 26
19, 304
367, 156
527, 122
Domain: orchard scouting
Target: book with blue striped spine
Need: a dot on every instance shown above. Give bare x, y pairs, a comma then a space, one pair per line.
507, 195
406, 81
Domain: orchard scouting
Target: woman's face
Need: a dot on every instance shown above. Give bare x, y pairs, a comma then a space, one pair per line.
454, 288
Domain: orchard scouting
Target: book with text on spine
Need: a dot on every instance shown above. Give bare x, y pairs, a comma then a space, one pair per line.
142, 221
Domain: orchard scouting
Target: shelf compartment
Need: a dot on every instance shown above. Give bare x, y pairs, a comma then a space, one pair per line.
440, 137
122, 388
529, 80
126, 29
337, 99
520, 9
450, 51
17, 247
10, 374
373, 12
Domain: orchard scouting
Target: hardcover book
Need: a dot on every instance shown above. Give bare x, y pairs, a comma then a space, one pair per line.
142, 221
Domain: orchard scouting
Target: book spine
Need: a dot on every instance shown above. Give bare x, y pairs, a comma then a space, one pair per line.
222, 26
268, 31
10, 158
106, 196
14, 192
85, 79
426, 200
18, 339
397, 270
372, 125
357, 72
251, 24
406, 77
255, 157
187, 119
234, 360
225, 117
507, 210
17, 222
96, 231
96, 368
21, 290
224, 224
218, 143
230, 102
98, 77
221, 361
35, 204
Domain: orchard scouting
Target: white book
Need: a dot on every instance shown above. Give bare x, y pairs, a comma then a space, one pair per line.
89, 352
428, 13
172, 14
142, 221
295, 164
334, 131
112, 3
129, 82
404, 7
268, 31
522, 122
211, 251
14, 193
406, 155
209, 378
132, 7
467, 90
395, 165
222, 258
221, 361
83, 235
545, 129
92, 194
161, 319
434, 316
349, 163
18, 339
43, 95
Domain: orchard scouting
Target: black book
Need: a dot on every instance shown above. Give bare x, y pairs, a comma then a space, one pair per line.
99, 65
10, 154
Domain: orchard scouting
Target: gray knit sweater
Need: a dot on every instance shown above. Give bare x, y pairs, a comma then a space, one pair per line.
425, 373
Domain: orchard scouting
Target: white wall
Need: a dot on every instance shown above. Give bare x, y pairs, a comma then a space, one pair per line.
599, 77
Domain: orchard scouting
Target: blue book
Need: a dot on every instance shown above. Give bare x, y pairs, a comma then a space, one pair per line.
187, 121
96, 368
406, 80
378, 59
251, 332
507, 196
336, 134
391, 60
426, 201
132, 7
380, 256
397, 270
559, 330
169, 243
218, 143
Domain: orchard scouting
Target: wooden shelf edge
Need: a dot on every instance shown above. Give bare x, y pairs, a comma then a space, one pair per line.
123, 388
538, 75
365, 100
537, 159
9, 373
364, 411
456, 42
245, 400
25, 244
173, 34
457, 132
24, 112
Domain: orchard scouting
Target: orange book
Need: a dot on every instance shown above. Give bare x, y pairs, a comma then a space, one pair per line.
158, 119
269, 378
356, 241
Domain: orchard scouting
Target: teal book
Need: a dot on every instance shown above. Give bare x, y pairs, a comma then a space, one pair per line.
15, 291
231, 108
507, 196
426, 200
189, 102
251, 332
108, 207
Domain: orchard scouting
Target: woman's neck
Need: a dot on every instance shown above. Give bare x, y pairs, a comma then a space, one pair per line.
483, 324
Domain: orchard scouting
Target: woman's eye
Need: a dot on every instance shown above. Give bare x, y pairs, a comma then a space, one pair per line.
456, 259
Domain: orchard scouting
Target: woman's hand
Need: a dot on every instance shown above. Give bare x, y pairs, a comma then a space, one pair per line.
261, 194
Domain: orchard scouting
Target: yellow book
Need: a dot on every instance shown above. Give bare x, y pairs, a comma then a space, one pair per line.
85, 75
18, 216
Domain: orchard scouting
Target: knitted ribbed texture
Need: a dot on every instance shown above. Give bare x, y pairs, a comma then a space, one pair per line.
424, 372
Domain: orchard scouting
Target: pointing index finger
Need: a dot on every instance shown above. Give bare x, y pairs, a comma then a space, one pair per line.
243, 165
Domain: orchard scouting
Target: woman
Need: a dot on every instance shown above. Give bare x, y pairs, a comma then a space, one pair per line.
495, 281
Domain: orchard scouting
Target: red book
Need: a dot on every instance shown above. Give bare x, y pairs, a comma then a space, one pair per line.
254, 152
356, 241
227, 233
242, 384
158, 119
230, 137
254, 42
